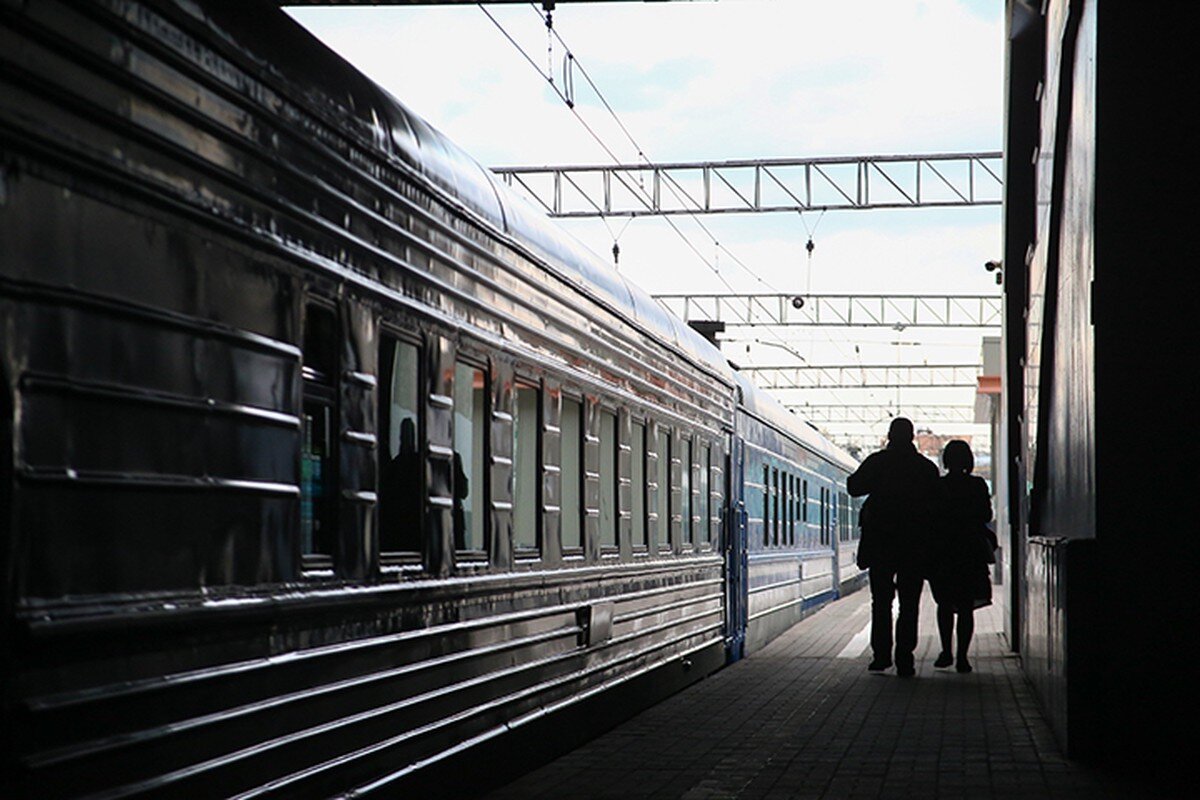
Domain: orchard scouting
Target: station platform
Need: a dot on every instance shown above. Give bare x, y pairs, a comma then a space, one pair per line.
803, 718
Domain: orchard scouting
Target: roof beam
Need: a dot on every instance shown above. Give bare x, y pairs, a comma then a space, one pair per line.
936, 180
842, 311
824, 414
881, 376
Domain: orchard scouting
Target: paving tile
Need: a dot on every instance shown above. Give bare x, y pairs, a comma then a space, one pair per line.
796, 721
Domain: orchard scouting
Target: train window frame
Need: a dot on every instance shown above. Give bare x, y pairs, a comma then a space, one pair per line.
664, 445
572, 551
795, 511
639, 488
522, 552
704, 495
785, 506
824, 516
467, 557
610, 485
391, 560
766, 508
776, 506
320, 389
685, 492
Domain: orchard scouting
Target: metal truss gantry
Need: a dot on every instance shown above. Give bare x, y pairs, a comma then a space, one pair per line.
761, 185
846, 311
942, 376
824, 414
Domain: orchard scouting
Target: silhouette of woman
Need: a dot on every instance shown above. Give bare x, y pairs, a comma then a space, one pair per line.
960, 579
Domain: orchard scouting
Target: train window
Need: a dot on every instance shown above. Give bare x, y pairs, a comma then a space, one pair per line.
401, 488
776, 508
796, 504
571, 475
637, 485
525, 475
664, 489
685, 491
705, 533
608, 480
320, 343
791, 509
824, 516
804, 504
318, 457
789, 513
842, 531
766, 510
470, 464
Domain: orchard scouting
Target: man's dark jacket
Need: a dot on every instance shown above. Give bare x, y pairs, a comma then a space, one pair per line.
897, 519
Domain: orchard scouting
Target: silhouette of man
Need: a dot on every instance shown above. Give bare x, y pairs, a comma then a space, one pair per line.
896, 530
400, 501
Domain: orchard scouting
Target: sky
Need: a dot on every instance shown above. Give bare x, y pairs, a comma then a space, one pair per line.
732, 79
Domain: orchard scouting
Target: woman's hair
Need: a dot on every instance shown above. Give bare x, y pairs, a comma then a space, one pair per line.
957, 457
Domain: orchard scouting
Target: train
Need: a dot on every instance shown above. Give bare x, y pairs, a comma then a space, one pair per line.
327, 464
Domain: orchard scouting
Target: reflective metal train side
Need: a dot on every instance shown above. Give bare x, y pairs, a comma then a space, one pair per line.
232, 270
801, 526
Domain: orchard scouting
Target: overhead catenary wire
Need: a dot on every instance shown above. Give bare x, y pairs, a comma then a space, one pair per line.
572, 62
670, 183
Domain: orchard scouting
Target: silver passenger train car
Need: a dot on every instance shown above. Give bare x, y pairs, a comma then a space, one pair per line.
326, 464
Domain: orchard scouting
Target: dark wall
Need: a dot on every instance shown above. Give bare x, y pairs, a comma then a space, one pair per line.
1147, 468
1110, 442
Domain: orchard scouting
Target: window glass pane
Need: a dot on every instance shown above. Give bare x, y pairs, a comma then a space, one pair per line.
401, 490
704, 534
526, 423
572, 474
775, 505
320, 343
470, 430
685, 491
637, 485
766, 513
795, 484
824, 518
608, 479
318, 448
316, 487
783, 504
664, 488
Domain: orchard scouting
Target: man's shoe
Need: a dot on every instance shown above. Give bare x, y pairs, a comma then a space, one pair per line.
963, 665
879, 664
944, 660
905, 670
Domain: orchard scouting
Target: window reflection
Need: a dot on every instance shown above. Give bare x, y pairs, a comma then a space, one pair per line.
572, 474
526, 423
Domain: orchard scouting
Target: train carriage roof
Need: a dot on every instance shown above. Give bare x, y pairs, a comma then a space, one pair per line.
764, 406
478, 188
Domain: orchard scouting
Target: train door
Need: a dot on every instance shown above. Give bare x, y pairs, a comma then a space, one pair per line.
736, 558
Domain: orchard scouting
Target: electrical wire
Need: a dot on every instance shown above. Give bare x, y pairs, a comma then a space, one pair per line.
671, 184
595, 136
572, 62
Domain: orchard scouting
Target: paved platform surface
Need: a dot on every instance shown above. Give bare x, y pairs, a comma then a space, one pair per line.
803, 718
